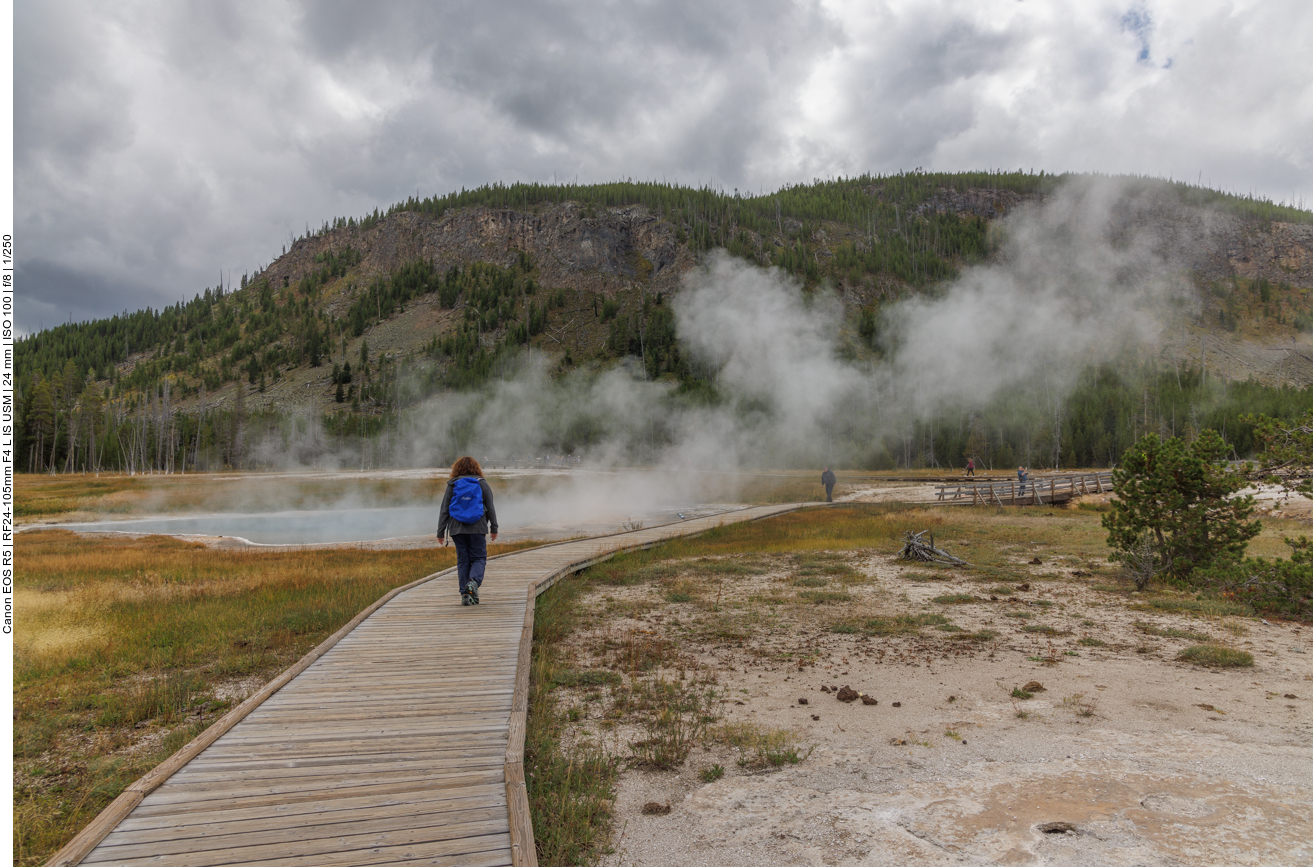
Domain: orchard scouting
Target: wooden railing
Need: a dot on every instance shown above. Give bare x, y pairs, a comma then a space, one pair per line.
1037, 491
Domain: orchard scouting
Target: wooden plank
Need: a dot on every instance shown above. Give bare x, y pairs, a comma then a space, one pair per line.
178, 823
355, 850
187, 812
478, 822
273, 796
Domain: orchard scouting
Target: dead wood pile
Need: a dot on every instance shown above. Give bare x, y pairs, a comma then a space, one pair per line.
915, 547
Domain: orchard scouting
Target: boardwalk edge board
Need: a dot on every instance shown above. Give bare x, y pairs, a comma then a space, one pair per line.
523, 852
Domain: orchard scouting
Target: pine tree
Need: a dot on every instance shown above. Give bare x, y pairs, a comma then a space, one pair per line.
1175, 509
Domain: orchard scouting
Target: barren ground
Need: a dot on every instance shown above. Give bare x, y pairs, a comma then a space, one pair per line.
1148, 761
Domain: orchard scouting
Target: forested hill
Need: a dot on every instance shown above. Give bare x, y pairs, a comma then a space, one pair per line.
438, 293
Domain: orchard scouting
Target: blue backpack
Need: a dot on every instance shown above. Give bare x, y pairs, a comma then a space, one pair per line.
466, 503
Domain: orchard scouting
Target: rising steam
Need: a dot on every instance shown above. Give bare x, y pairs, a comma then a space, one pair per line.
1075, 280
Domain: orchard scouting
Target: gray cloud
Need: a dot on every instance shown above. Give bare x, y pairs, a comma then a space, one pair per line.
157, 144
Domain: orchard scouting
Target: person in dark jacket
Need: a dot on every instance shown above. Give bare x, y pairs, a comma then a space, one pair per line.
1022, 476
468, 537
828, 479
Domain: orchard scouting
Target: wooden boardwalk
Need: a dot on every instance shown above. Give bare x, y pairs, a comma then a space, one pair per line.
399, 739
1038, 491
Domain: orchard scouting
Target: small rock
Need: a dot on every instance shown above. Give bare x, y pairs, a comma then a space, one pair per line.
898, 704
866, 699
1025, 586
1037, 562
1034, 686
652, 808
1290, 695
824, 688
802, 701
816, 717
847, 694
1057, 828
897, 742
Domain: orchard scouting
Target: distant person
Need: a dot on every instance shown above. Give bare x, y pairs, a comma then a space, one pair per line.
467, 515
828, 479
1022, 475
971, 467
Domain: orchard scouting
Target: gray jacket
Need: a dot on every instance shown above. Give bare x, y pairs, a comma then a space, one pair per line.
449, 525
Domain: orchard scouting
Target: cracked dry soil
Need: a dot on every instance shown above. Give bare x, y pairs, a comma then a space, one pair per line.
1127, 757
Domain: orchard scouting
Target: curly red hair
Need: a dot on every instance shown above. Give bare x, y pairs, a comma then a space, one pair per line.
466, 466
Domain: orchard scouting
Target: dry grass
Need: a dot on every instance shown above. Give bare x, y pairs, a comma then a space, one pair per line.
125, 649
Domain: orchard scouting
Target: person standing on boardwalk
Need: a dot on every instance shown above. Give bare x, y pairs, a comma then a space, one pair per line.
971, 466
468, 515
827, 479
1021, 479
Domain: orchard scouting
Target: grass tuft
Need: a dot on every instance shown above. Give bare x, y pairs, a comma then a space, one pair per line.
762, 748
955, 599
900, 624
1216, 656
1169, 632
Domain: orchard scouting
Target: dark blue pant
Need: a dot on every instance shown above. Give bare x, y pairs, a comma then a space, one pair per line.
471, 558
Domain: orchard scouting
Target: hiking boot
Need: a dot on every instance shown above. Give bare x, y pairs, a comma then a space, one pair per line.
474, 594
465, 598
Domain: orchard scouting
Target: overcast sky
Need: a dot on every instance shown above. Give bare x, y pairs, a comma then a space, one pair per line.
158, 144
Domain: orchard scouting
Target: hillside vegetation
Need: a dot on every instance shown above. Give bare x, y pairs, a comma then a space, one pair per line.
365, 317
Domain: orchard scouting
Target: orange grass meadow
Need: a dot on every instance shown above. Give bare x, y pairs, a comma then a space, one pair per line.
125, 649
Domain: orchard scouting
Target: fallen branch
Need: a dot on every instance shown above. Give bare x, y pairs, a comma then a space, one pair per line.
915, 547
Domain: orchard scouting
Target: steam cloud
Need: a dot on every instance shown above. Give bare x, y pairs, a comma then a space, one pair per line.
1077, 279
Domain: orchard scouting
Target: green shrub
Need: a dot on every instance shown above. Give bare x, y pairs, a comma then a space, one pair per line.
1283, 587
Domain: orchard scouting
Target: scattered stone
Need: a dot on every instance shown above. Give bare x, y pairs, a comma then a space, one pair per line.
824, 688
1025, 586
1290, 695
1058, 828
897, 742
847, 694
1077, 573
1037, 562
866, 699
816, 717
802, 701
652, 808
1034, 686
898, 704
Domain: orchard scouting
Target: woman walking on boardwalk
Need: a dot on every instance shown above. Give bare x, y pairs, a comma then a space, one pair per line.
467, 515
